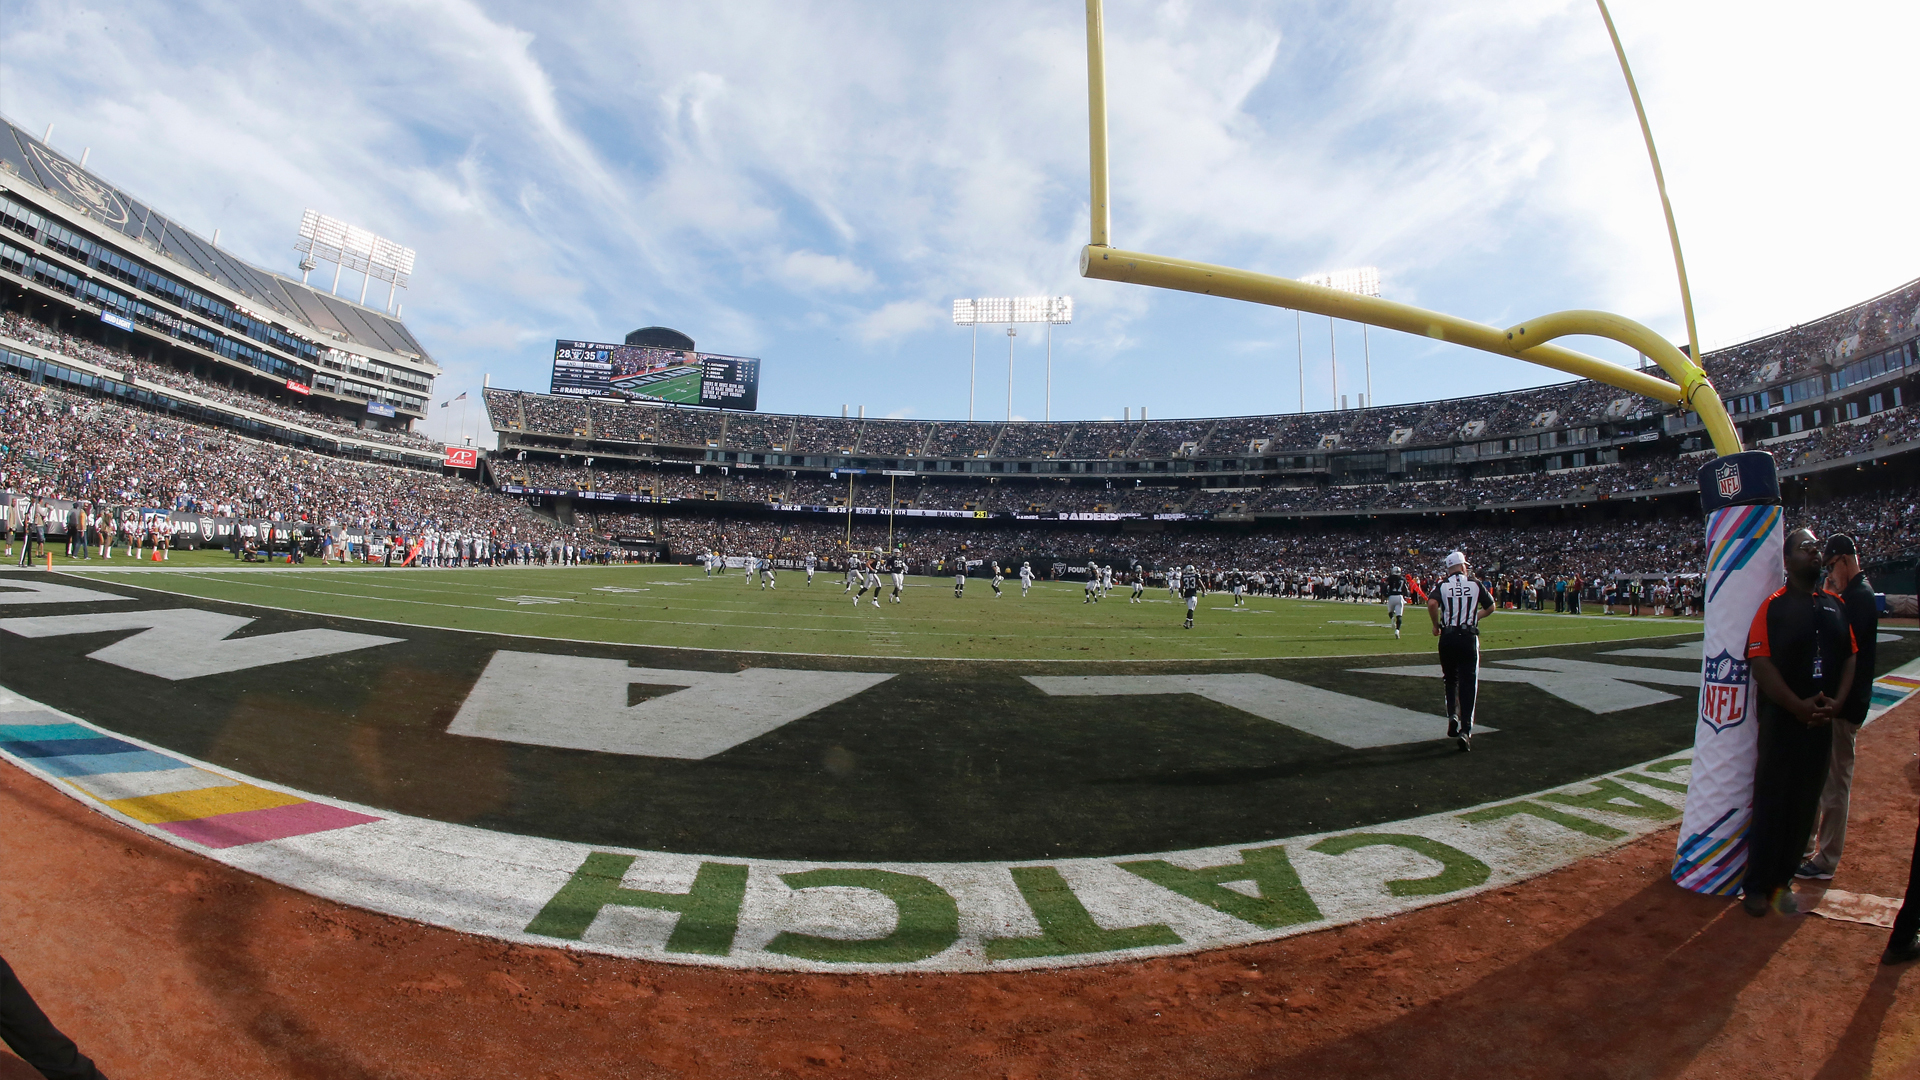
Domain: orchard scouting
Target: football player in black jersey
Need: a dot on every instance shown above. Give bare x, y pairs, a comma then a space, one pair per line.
1395, 590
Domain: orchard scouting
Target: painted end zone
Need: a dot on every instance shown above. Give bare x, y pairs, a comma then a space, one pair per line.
834, 916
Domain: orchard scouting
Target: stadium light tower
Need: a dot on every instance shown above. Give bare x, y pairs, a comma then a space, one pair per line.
352, 248
1361, 281
1008, 310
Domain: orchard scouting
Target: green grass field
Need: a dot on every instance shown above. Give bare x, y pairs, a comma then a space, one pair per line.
680, 389
679, 606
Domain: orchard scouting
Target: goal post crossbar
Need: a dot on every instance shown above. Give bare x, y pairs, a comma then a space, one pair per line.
1530, 341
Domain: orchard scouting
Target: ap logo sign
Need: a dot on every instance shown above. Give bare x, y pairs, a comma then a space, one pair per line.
1723, 693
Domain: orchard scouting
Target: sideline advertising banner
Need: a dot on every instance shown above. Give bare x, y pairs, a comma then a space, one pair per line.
1745, 539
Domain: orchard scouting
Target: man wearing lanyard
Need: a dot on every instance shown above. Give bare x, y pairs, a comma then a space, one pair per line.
1456, 606
1803, 655
1846, 582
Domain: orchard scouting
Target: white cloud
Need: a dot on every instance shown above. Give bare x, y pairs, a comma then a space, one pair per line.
899, 318
809, 271
811, 182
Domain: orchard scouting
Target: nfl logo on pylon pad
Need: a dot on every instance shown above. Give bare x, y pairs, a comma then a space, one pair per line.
1729, 479
1723, 691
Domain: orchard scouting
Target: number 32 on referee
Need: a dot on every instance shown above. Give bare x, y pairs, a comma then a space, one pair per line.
1456, 606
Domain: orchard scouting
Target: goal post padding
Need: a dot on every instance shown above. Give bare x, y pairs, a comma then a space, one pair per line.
1740, 494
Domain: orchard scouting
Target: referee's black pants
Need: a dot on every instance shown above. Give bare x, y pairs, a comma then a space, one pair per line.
1460, 670
28, 1033
1906, 925
1787, 781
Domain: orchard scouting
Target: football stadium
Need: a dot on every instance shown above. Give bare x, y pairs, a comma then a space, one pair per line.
647, 732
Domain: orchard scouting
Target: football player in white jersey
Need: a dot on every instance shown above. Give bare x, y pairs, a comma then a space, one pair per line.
1026, 577
860, 575
1173, 582
811, 563
1106, 579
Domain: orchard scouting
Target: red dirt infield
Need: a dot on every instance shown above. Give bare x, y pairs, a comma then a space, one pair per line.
162, 964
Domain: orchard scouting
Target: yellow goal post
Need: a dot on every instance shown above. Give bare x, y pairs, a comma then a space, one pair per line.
1530, 341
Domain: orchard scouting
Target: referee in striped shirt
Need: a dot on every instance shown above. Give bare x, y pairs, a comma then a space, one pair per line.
1456, 606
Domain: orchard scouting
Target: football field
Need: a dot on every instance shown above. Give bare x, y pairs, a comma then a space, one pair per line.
682, 607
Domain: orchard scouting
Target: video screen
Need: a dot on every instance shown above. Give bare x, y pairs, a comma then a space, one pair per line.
642, 373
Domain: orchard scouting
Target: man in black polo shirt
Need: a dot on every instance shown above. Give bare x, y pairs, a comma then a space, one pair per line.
1844, 580
1802, 652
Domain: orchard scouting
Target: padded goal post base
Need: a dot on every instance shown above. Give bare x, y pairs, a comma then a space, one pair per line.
1740, 494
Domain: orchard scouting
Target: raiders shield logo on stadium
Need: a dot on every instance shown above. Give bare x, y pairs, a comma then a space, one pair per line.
1723, 691
1728, 476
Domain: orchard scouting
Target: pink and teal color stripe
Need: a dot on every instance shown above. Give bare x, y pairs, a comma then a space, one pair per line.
192, 803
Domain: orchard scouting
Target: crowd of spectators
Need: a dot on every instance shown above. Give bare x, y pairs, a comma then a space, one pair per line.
503, 409
1094, 439
1810, 347
751, 431
550, 415
1375, 427
33, 332
1526, 564
893, 438
62, 446
1867, 435
1042, 440
654, 483
825, 435
1165, 438
1666, 547
680, 427
1567, 405
952, 439
1636, 476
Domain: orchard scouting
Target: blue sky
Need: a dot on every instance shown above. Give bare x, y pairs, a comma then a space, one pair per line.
814, 183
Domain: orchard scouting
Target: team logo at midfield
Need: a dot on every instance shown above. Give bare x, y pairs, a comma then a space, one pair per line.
1723, 693
1728, 477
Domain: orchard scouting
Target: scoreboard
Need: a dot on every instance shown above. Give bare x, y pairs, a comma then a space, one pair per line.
729, 382
645, 373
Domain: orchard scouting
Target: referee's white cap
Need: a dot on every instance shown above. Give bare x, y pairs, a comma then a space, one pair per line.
1456, 558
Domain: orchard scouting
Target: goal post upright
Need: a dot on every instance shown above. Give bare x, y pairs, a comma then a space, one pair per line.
1739, 490
1527, 341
